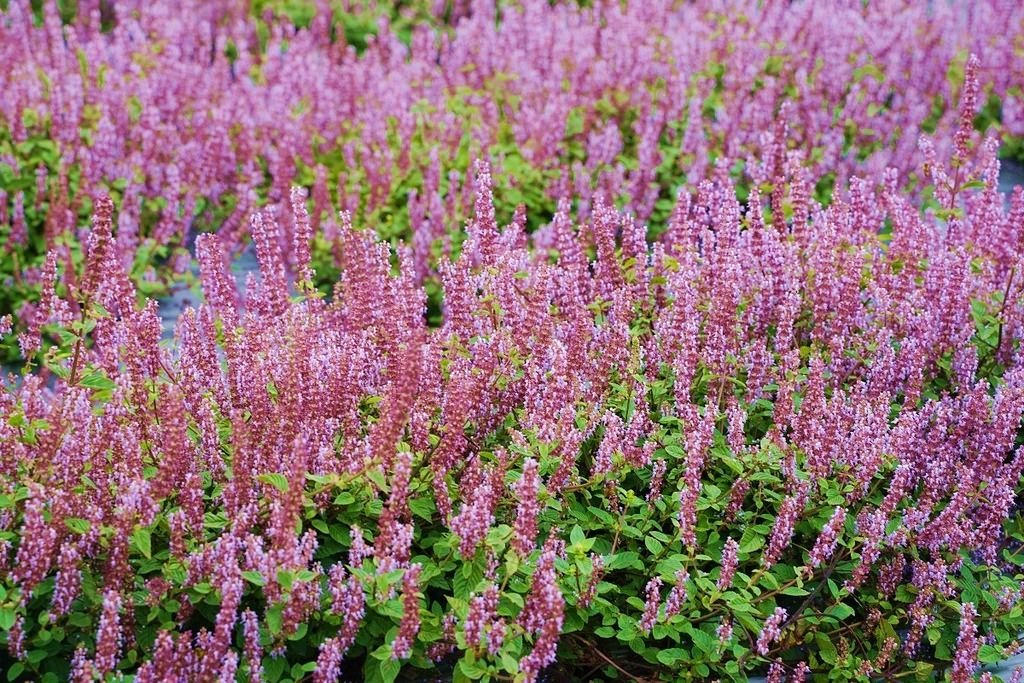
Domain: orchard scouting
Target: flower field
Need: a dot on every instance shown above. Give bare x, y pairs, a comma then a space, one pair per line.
586, 341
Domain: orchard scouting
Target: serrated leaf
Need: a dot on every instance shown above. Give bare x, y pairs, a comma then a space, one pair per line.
274, 619
77, 524
509, 663
750, 541
622, 560
704, 642
734, 465
672, 656
653, 545
377, 477
278, 481
7, 618
143, 541
254, 578
841, 611
97, 380
423, 508
826, 649
470, 669
923, 671
989, 655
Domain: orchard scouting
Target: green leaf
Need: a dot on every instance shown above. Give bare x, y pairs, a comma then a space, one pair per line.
826, 650
923, 671
672, 656
215, 520
470, 669
377, 477
704, 642
254, 578
509, 663
653, 545
750, 541
97, 380
382, 652
7, 618
511, 564
603, 516
77, 524
278, 481
274, 667
841, 611
989, 655
274, 621
286, 578
143, 541
423, 508
623, 560
733, 464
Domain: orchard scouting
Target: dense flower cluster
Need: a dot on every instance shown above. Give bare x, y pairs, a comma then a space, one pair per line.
801, 410
193, 114
215, 469
771, 631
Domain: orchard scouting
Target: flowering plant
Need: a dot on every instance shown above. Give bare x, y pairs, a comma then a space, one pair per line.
723, 375
192, 115
783, 438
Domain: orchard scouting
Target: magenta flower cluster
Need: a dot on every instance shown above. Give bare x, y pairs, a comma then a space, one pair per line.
797, 409
179, 107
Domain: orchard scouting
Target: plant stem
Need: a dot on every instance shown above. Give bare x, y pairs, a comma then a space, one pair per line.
1002, 309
